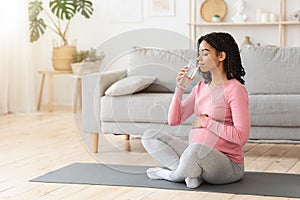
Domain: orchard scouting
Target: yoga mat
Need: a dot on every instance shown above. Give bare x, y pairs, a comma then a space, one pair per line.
253, 183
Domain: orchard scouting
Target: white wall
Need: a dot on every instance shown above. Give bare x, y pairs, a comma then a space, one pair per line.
93, 32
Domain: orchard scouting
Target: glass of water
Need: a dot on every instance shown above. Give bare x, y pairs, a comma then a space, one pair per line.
190, 74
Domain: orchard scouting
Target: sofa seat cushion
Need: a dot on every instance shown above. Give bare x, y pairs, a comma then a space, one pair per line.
138, 128
275, 110
140, 107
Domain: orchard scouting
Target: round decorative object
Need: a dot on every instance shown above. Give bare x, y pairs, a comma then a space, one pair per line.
210, 8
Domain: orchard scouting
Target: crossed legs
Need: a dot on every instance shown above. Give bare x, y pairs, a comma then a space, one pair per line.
190, 163
164, 148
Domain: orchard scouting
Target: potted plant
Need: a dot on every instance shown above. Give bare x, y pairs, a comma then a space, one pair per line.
62, 11
86, 61
216, 18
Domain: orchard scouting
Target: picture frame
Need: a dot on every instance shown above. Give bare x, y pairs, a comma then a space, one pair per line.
125, 11
161, 8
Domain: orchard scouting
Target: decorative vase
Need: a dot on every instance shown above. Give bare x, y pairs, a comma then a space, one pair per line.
247, 41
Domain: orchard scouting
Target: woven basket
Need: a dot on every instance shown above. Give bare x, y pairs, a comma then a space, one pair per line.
62, 57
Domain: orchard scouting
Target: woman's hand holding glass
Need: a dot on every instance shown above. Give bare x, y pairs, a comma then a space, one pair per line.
180, 78
186, 74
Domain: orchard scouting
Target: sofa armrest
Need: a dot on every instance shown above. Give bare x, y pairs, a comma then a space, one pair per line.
93, 88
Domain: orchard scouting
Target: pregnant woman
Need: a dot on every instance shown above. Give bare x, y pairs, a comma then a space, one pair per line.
214, 151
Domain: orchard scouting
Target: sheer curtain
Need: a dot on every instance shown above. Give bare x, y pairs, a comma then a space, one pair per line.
16, 72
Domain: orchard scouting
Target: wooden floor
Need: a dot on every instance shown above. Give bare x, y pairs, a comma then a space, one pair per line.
31, 145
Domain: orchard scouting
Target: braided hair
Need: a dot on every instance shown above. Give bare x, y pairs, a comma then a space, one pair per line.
224, 42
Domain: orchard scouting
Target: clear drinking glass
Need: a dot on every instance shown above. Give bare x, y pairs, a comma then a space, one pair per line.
190, 74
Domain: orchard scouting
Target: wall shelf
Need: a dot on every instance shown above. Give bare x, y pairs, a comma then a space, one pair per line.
245, 24
194, 25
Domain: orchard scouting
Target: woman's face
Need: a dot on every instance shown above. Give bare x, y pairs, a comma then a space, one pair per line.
208, 59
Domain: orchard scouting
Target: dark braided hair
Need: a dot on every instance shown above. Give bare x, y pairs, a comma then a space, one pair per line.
224, 42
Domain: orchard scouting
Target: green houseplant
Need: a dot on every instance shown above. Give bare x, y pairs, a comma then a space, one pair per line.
86, 61
58, 21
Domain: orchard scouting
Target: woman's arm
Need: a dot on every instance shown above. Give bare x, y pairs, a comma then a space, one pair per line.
179, 112
239, 132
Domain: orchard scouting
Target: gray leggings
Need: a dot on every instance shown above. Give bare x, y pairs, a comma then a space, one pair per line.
191, 161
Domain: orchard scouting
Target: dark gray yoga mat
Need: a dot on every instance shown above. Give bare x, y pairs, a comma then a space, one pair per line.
253, 183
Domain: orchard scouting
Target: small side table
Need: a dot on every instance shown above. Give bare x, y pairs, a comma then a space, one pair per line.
50, 74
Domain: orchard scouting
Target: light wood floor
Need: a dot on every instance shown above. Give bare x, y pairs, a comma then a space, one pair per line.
31, 145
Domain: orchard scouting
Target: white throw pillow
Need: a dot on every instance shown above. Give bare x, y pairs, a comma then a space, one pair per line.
130, 85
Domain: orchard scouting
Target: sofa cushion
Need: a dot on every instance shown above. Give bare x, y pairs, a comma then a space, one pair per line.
275, 110
129, 85
138, 128
141, 107
163, 64
271, 70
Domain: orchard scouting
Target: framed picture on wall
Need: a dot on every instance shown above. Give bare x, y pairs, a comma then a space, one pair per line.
158, 8
123, 11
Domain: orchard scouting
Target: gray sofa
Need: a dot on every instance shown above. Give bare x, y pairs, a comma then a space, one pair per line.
271, 80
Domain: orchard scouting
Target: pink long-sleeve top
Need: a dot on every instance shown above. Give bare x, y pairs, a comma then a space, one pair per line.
227, 126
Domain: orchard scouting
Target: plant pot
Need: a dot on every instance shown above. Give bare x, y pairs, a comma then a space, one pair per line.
85, 67
62, 57
216, 18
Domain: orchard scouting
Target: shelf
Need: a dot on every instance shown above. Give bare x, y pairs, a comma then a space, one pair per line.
244, 24
290, 23
280, 27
